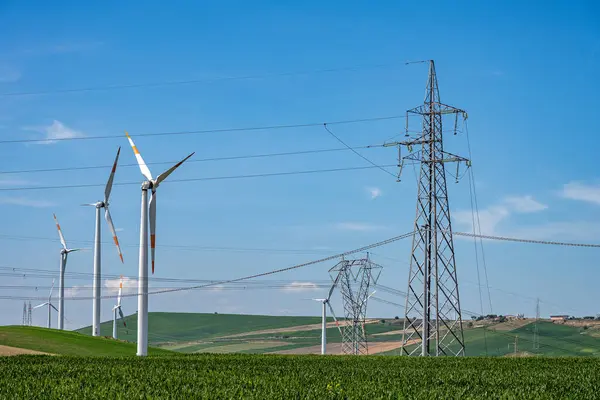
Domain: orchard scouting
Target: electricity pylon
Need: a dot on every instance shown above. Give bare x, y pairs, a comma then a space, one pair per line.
433, 322
354, 277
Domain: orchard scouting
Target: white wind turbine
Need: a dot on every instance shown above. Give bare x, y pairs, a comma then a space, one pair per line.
97, 283
148, 184
117, 309
325, 303
64, 252
49, 304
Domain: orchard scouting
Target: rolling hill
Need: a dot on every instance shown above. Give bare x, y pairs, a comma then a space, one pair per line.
57, 342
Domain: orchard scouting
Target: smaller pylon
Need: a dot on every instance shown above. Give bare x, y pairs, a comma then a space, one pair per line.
29, 317
24, 313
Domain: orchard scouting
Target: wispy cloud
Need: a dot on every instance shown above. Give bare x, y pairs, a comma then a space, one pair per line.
374, 192
491, 217
6, 182
25, 202
300, 287
130, 285
56, 131
525, 204
357, 226
582, 192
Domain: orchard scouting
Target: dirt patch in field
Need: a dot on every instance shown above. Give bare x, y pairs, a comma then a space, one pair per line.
299, 328
397, 332
15, 351
336, 348
510, 325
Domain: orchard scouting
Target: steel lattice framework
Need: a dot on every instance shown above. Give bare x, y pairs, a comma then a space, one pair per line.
432, 323
354, 277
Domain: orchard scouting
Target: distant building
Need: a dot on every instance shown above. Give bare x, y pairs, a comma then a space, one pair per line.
559, 317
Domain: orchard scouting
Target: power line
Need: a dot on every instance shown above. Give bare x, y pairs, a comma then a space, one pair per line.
190, 81
532, 241
226, 158
212, 178
356, 152
245, 278
204, 131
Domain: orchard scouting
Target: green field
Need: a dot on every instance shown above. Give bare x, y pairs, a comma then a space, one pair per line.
67, 343
182, 327
192, 333
277, 377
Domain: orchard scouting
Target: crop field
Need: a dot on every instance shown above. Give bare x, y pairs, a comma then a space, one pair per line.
317, 377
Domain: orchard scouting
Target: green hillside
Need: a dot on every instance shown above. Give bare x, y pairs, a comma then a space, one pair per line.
182, 327
67, 343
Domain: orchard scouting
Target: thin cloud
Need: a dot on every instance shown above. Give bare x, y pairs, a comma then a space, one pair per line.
25, 202
14, 182
130, 285
525, 204
300, 287
581, 192
56, 131
374, 192
489, 218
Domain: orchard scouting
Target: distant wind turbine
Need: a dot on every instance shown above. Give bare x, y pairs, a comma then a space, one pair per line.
64, 252
50, 306
148, 184
116, 309
97, 284
325, 303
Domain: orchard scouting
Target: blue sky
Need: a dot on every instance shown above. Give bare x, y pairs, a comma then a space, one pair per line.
525, 72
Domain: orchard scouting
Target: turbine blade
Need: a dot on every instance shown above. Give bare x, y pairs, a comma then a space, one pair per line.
62, 238
111, 226
88, 204
55, 309
120, 289
152, 228
111, 178
122, 316
40, 305
331, 291
335, 319
140, 160
52, 288
168, 172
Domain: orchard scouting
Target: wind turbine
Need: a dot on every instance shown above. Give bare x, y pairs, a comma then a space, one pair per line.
325, 303
49, 304
148, 184
116, 309
64, 252
97, 284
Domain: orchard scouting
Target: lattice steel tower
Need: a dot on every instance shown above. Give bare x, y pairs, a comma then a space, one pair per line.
432, 323
354, 277
536, 334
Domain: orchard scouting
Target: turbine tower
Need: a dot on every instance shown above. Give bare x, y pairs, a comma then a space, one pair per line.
50, 306
325, 303
432, 323
354, 278
97, 284
148, 184
117, 309
64, 252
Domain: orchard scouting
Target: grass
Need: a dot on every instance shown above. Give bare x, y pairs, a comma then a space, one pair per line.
67, 343
181, 327
315, 377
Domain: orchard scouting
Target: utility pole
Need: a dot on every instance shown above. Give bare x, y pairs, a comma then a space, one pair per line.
516, 344
432, 311
24, 313
536, 335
